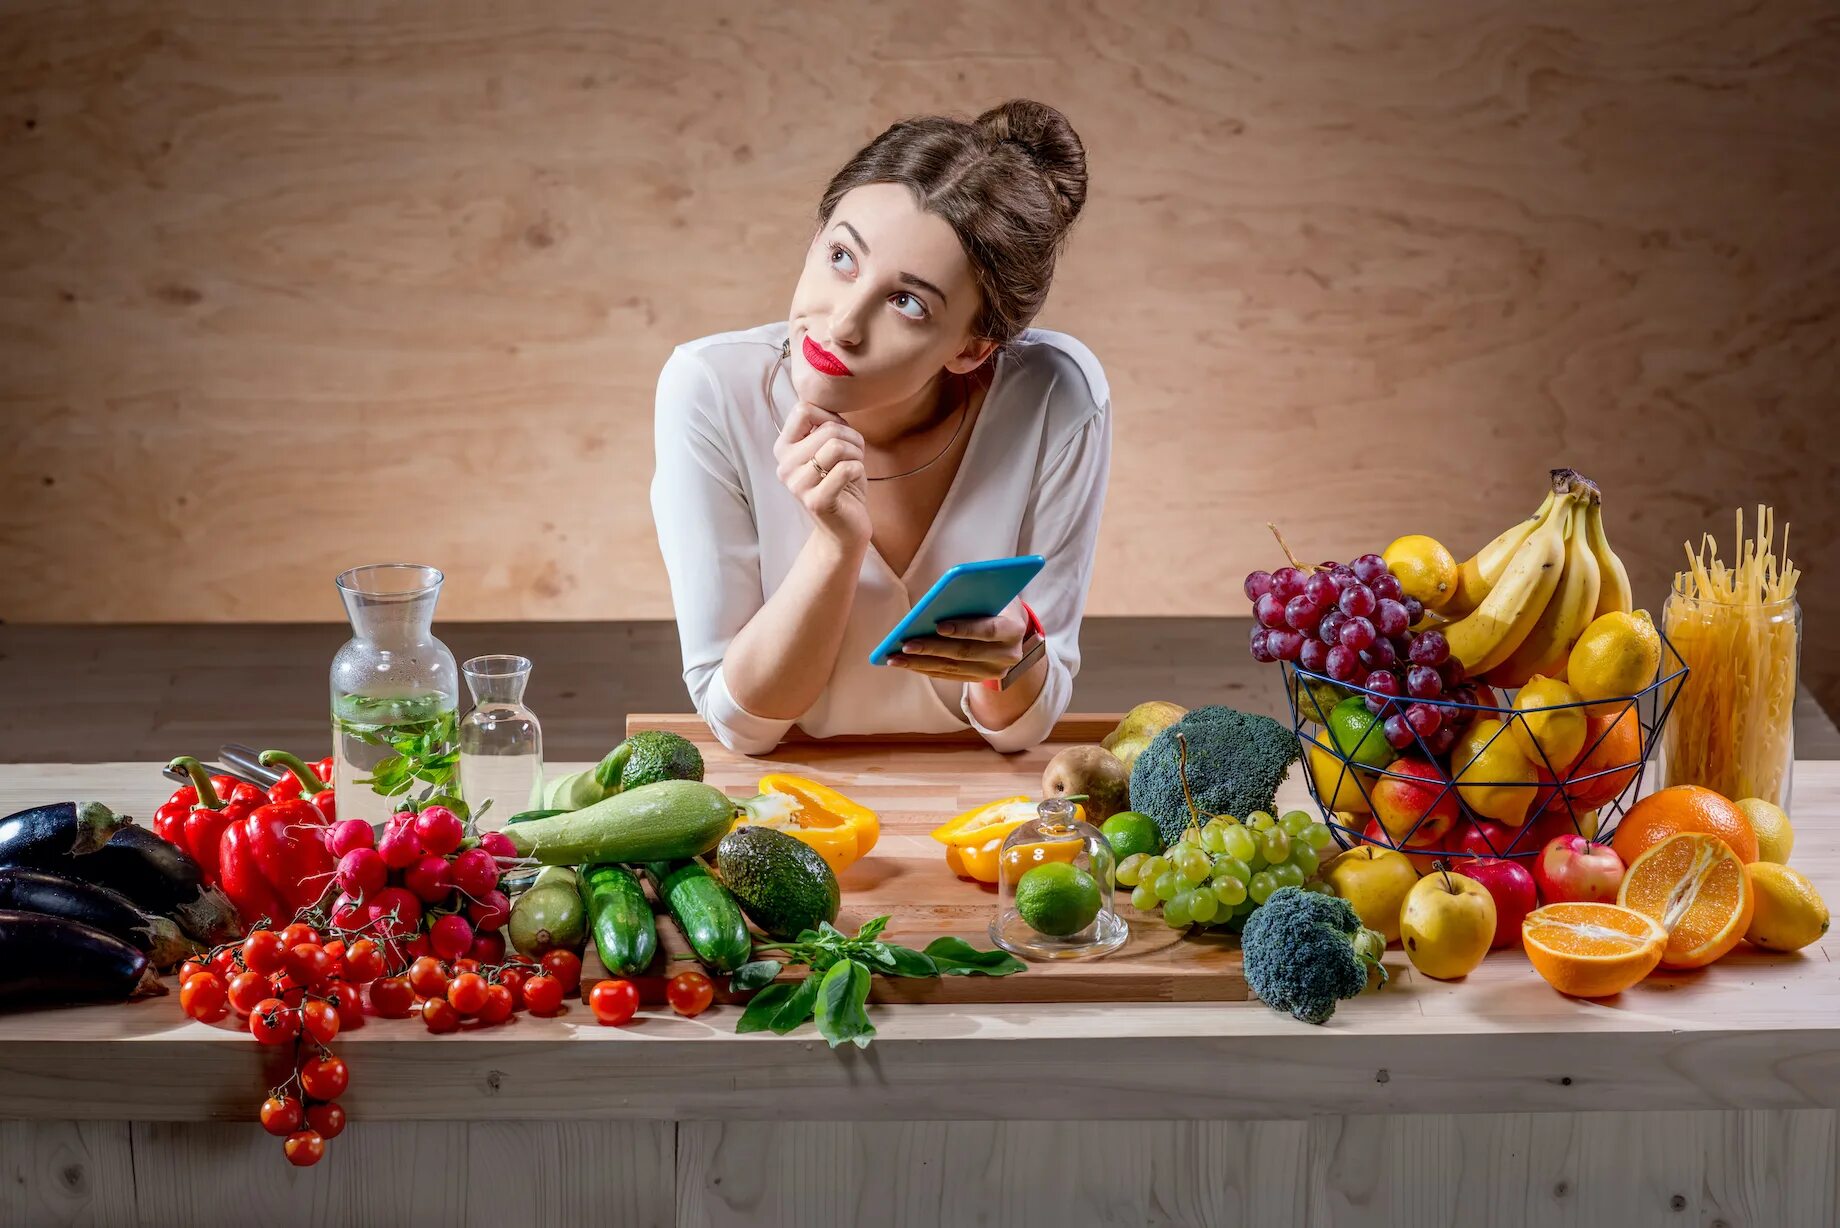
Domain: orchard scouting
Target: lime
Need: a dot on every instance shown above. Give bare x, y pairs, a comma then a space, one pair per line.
1130, 832
1057, 899
1358, 734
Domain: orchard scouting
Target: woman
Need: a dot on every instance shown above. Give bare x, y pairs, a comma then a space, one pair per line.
816, 476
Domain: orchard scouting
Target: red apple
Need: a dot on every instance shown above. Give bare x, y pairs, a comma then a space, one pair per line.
1555, 819
1512, 886
1487, 838
1415, 801
1572, 868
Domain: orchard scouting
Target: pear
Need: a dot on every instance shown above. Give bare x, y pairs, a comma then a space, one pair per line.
1139, 727
1094, 771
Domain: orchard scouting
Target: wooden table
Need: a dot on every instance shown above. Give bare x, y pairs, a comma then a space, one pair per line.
1694, 1099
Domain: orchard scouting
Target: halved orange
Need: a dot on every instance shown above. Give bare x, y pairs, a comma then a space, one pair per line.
1695, 886
1592, 950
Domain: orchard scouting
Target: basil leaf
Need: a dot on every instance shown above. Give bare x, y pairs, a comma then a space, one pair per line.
956, 957
759, 1013
827, 930
841, 1000
873, 929
909, 962
756, 974
879, 952
797, 1008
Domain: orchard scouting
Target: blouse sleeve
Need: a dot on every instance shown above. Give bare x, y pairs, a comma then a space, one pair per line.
711, 547
1063, 528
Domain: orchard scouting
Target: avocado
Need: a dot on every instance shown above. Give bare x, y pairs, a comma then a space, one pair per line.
782, 884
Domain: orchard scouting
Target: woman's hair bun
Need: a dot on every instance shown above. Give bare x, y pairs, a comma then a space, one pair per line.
1050, 142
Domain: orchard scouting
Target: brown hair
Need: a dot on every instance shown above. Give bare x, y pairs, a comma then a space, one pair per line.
1009, 183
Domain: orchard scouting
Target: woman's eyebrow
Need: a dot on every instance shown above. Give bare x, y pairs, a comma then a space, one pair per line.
906, 278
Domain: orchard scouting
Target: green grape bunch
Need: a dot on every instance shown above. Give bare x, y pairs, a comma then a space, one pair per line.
1218, 872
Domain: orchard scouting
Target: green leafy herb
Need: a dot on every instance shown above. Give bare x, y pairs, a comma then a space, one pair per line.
425, 752
956, 957
841, 1000
757, 974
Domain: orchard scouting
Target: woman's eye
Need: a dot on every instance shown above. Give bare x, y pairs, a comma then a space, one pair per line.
909, 306
841, 260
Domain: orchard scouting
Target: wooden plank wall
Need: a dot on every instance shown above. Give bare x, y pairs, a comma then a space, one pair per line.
299, 286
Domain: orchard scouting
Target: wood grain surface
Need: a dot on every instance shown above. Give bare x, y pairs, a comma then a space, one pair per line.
914, 783
1367, 269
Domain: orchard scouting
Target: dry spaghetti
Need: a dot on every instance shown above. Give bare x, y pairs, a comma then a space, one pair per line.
1737, 629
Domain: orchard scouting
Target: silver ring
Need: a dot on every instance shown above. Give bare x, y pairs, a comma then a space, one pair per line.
822, 471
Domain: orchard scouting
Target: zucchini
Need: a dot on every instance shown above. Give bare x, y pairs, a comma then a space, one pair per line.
549, 914
619, 917
667, 821
705, 911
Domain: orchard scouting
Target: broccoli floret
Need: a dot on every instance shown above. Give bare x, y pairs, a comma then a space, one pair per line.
1304, 952
1232, 761
647, 757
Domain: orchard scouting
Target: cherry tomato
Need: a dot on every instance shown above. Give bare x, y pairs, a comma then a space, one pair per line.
363, 962
264, 952
499, 1004
427, 977
298, 933
327, 1120
613, 1002
190, 968
543, 995
344, 998
273, 1022
305, 1148
320, 1020
466, 993
565, 966
247, 989
513, 978
690, 993
325, 1078
288, 988
391, 997
467, 964
309, 964
203, 998
440, 1016
335, 951
225, 963
281, 1115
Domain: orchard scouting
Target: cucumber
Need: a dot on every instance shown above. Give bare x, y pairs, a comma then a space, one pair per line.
549, 915
619, 917
667, 821
704, 910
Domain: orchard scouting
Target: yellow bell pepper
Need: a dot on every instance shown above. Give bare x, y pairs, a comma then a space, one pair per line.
842, 831
974, 840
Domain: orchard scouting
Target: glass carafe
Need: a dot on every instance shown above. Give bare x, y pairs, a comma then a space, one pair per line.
1054, 888
501, 744
395, 688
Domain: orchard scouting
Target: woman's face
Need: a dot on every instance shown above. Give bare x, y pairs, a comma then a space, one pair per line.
885, 303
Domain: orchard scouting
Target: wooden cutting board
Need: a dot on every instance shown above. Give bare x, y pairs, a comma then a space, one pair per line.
915, 782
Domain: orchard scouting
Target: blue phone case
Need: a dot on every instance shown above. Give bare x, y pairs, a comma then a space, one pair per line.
967, 590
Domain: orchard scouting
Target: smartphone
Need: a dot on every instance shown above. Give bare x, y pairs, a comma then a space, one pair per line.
967, 590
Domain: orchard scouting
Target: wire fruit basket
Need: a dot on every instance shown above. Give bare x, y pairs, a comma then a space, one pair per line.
1427, 806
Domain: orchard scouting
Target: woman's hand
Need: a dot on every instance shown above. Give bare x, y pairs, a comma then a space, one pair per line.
821, 462
968, 649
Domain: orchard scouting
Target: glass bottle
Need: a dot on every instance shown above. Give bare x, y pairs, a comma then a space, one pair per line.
1054, 888
501, 744
393, 683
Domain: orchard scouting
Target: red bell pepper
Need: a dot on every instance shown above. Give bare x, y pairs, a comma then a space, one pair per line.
303, 779
195, 816
274, 863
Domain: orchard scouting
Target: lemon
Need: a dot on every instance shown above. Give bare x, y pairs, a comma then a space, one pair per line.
1057, 899
1424, 569
1774, 835
1340, 786
1789, 914
1551, 739
1615, 657
1493, 777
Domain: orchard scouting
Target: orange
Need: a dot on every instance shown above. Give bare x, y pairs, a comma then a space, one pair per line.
1683, 808
1695, 886
1592, 950
1612, 741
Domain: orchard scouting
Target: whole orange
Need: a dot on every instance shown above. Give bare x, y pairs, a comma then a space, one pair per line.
1683, 808
1613, 741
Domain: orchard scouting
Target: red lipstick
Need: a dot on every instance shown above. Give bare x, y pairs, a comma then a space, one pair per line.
822, 360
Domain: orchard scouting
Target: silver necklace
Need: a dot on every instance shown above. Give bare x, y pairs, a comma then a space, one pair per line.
964, 412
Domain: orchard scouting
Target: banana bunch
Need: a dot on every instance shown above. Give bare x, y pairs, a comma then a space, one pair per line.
1523, 600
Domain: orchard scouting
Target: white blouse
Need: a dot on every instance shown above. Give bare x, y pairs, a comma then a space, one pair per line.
1031, 481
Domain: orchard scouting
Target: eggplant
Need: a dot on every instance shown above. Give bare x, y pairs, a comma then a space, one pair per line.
41, 891
52, 959
60, 829
156, 875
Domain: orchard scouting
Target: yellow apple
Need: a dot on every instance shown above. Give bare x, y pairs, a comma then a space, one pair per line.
1375, 882
1448, 924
